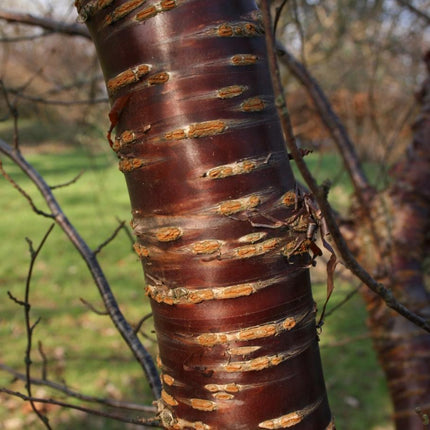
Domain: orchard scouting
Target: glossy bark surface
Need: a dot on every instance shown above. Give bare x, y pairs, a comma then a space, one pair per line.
221, 228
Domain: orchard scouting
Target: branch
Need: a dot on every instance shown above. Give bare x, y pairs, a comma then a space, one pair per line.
51, 25
77, 395
414, 10
23, 193
92, 308
329, 118
42, 100
320, 193
110, 238
66, 184
153, 422
30, 327
139, 351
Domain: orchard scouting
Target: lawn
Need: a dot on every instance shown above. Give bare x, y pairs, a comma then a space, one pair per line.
83, 349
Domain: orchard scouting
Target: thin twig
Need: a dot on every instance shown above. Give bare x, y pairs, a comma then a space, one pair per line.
42, 100
278, 15
13, 111
110, 238
139, 351
330, 119
44, 360
138, 326
92, 308
29, 326
77, 395
27, 197
415, 10
152, 422
345, 300
320, 193
74, 29
128, 233
66, 184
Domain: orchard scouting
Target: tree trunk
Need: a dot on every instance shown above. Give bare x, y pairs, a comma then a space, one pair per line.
402, 219
221, 227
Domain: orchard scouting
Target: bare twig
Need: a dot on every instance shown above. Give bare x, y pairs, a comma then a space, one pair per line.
110, 238
44, 360
27, 197
73, 29
13, 111
320, 193
25, 38
37, 99
278, 12
152, 422
330, 119
78, 395
345, 300
415, 10
92, 308
138, 326
128, 233
29, 326
66, 184
141, 354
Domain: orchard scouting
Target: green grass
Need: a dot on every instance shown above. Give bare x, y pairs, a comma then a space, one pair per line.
83, 348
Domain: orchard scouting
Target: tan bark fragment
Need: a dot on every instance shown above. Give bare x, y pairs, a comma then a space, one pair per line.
243, 350
289, 198
122, 11
127, 77
225, 30
201, 295
229, 388
141, 251
168, 234
255, 104
223, 396
169, 380
235, 291
207, 128
230, 207
203, 405
210, 339
227, 170
168, 399
167, 5
283, 422
125, 138
253, 237
127, 165
244, 59
176, 134
289, 323
147, 13
158, 78
206, 247
231, 91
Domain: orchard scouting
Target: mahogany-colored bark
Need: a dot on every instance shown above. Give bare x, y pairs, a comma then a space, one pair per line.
222, 230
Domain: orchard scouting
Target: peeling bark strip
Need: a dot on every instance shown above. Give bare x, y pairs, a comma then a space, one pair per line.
222, 235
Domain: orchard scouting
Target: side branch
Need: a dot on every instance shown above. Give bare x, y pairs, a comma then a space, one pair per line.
141, 354
152, 422
78, 395
330, 119
74, 29
320, 193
